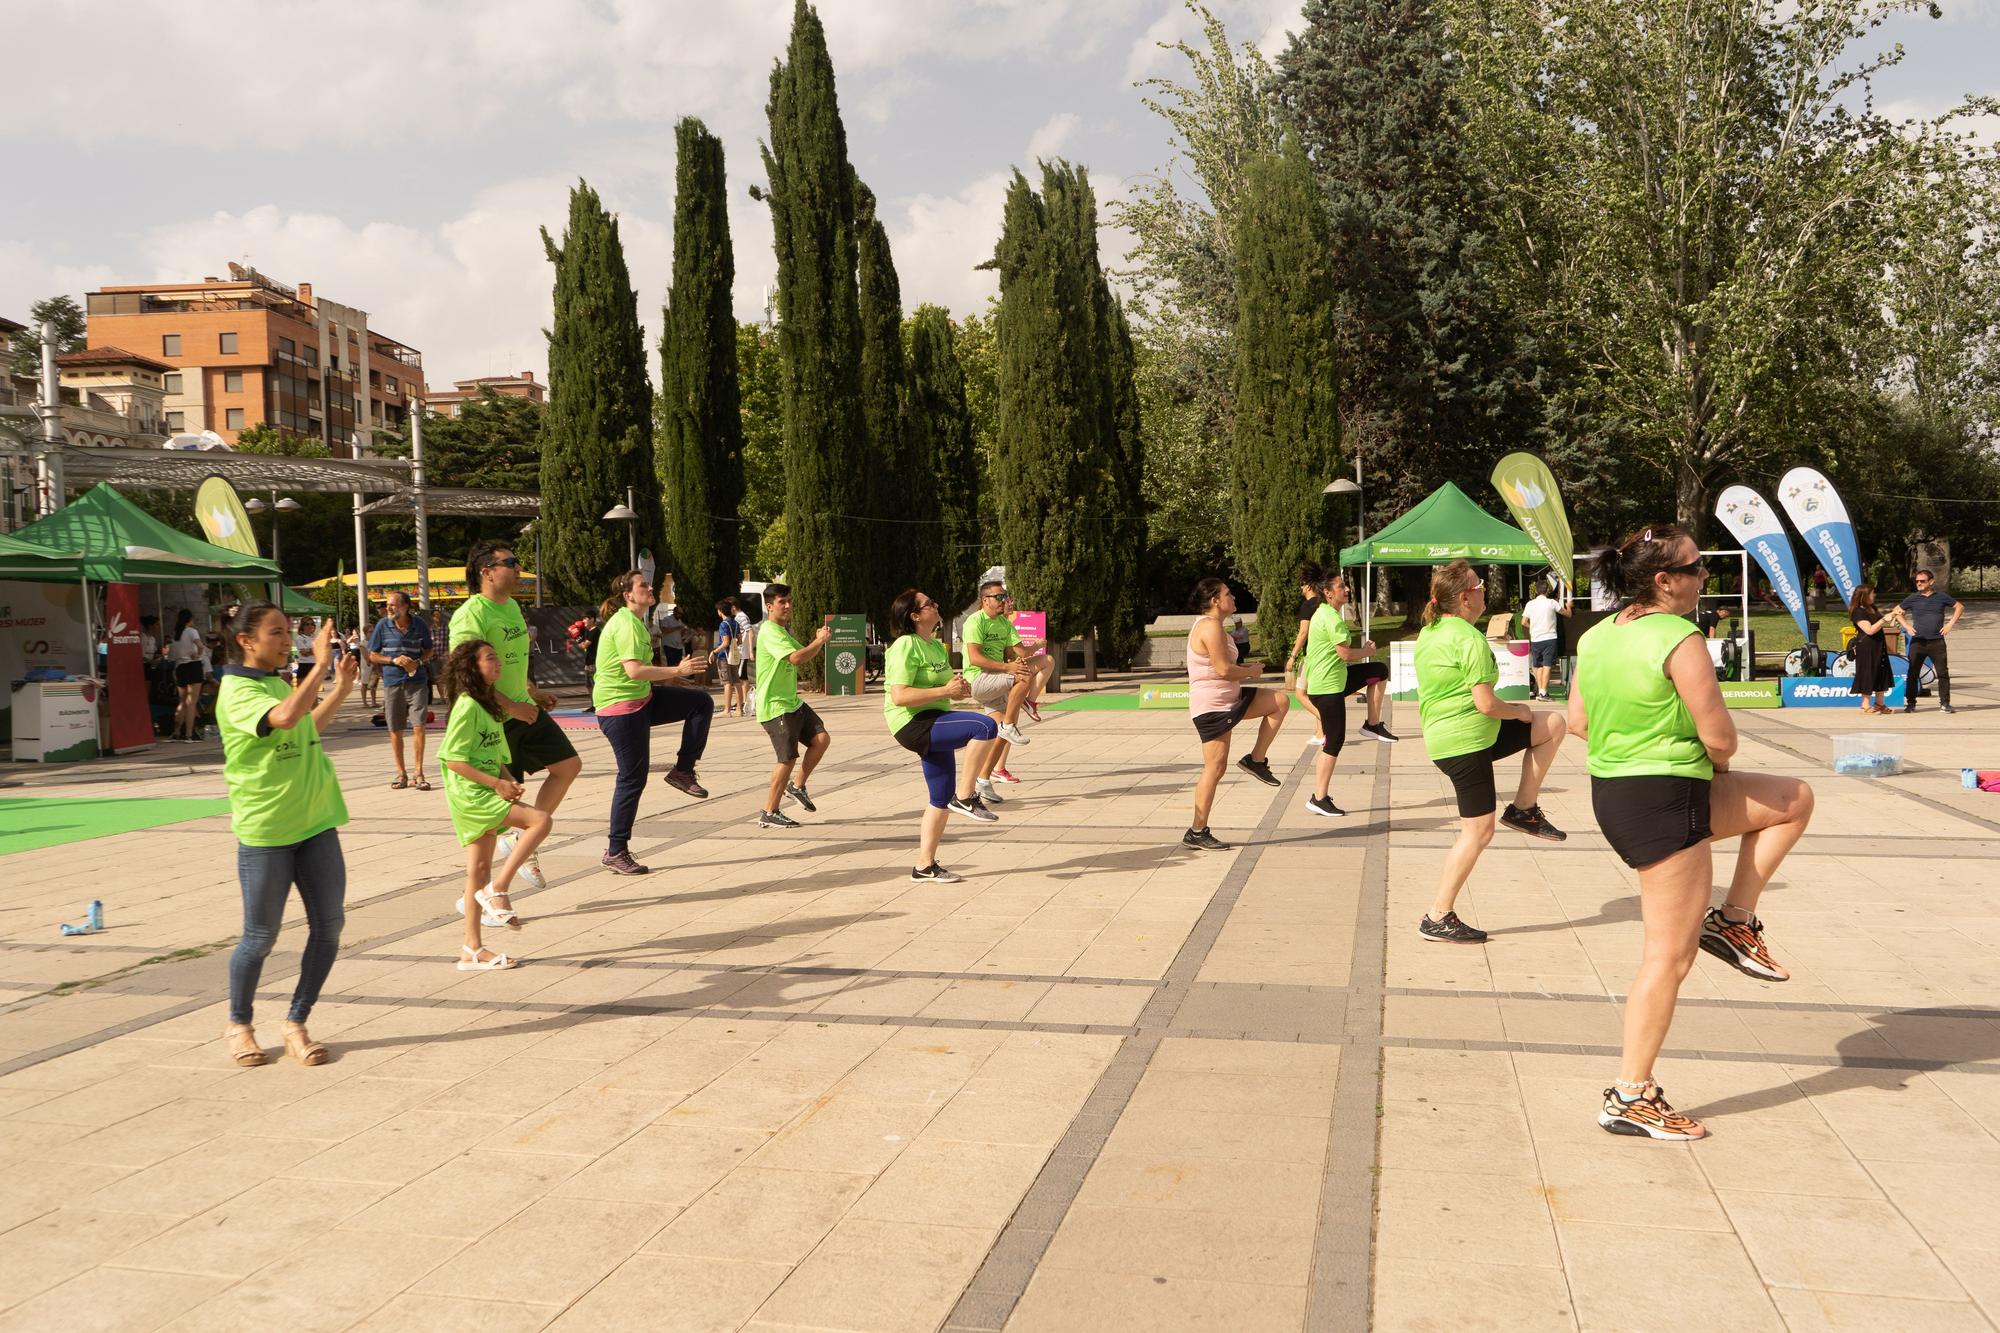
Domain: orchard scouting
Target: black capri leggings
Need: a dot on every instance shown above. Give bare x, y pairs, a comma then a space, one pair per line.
1332, 708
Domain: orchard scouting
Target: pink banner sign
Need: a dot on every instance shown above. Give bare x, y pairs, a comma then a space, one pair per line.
1033, 627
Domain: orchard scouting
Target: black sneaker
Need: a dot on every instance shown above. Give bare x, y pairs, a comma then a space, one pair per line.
1909, 708
1323, 805
1946, 708
935, 874
1741, 945
1203, 839
1379, 732
799, 794
1532, 822
775, 819
1648, 1117
1451, 930
973, 808
1259, 769
620, 863
682, 779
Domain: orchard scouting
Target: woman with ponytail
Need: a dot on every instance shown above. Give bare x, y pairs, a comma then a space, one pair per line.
1646, 702
632, 696
1218, 700
1467, 729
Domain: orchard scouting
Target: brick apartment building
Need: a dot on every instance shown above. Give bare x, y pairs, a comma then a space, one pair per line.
250, 350
447, 402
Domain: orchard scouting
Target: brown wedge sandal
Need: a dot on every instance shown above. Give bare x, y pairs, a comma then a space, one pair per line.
301, 1047
243, 1047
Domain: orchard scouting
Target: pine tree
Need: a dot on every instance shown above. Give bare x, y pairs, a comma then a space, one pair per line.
894, 496
699, 455
810, 189
1286, 443
1124, 620
1436, 378
941, 456
597, 436
1051, 456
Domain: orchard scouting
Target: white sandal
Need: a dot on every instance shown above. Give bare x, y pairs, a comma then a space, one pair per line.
489, 915
499, 962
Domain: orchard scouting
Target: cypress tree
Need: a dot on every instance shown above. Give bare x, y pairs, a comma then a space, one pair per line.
810, 189
940, 455
1050, 465
597, 436
1124, 620
1287, 435
699, 455
1435, 376
893, 495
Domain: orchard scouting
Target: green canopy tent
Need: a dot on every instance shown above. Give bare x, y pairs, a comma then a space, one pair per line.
38, 564
1444, 526
122, 543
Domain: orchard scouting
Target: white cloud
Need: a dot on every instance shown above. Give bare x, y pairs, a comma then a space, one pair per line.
1264, 22
27, 275
941, 239
1053, 136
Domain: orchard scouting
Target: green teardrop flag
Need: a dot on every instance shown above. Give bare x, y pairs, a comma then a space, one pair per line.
1525, 483
222, 518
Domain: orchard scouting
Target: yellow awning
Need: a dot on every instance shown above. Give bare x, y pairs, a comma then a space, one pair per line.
444, 583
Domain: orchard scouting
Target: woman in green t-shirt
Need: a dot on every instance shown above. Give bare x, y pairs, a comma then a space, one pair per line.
484, 801
632, 696
1336, 665
1467, 729
1646, 703
921, 688
284, 805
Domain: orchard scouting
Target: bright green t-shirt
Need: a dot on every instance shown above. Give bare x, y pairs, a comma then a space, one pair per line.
1451, 658
1639, 725
994, 635
777, 678
622, 636
476, 737
281, 785
919, 662
1326, 669
507, 630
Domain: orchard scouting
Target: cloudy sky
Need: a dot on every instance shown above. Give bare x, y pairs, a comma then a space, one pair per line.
399, 154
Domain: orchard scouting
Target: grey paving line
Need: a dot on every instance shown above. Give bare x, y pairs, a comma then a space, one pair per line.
1895, 789
1706, 1002
1339, 1294
996, 1289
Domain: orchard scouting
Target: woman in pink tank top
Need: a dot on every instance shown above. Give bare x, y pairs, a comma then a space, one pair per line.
1218, 700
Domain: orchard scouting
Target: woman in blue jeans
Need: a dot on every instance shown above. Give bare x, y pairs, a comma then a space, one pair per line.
284, 807
921, 690
632, 696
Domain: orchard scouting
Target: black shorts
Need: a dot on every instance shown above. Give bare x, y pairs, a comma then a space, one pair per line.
1214, 726
535, 745
1332, 708
188, 673
1544, 652
1472, 774
1649, 818
787, 730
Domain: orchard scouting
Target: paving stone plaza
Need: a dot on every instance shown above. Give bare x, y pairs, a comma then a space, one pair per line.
1104, 1083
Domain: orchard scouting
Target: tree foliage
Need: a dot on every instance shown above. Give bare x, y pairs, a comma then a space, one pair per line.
941, 460
698, 450
70, 331
597, 434
760, 375
1123, 621
899, 502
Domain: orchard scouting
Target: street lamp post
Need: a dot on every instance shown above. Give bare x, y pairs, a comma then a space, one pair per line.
287, 505
629, 516
1343, 486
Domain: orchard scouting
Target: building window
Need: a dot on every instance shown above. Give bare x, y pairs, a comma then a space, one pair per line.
173, 383
233, 418
228, 344
176, 422
232, 381
170, 344
288, 347
312, 356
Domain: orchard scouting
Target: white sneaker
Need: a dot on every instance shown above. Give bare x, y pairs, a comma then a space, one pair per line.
1012, 734
1318, 742
531, 873
986, 793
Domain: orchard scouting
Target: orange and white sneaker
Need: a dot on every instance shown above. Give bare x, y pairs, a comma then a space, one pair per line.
1741, 945
1648, 1117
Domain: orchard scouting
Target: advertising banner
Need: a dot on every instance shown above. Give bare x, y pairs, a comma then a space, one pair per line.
1033, 627
1529, 488
1172, 695
846, 654
125, 669
223, 521
1750, 694
41, 630
1755, 526
1830, 692
1820, 515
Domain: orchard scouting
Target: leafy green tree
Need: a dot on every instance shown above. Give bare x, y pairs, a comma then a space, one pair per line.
900, 501
810, 189
938, 445
1124, 620
1287, 441
975, 341
70, 332
699, 448
760, 375
597, 435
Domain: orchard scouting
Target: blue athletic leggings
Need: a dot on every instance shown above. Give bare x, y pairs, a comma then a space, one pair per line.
949, 734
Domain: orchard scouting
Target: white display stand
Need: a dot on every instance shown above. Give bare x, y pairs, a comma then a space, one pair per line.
55, 721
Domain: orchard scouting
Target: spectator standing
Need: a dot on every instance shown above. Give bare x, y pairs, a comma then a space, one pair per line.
400, 648
189, 656
1928, 614
1542, 614
1872, 677
673, 635
729, 640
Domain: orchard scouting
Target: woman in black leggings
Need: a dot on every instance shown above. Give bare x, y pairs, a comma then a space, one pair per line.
1337, 666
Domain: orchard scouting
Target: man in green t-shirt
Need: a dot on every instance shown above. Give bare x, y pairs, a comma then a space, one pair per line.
1004, 673
493, 572
785, 718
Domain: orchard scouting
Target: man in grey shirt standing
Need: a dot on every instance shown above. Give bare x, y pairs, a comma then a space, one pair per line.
1928, 615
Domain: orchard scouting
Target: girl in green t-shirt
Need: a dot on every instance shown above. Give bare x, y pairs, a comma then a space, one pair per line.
1646, 702
1467, 728
921, 688
483, 800
284, 807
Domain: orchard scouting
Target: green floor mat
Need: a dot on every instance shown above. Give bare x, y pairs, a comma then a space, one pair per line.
1083, 703
31, 822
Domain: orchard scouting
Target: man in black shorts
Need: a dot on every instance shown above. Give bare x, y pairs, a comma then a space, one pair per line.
789, 721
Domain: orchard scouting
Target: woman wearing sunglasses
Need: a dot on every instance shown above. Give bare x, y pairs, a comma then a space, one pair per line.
1646, 701
921, 690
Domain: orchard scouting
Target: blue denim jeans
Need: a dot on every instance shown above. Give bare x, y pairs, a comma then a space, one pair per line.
631, 739
267, 875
